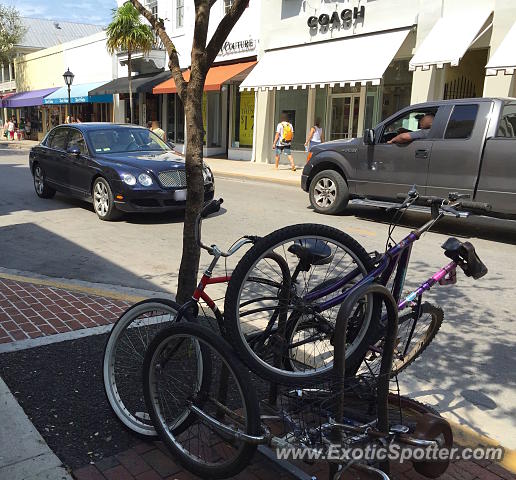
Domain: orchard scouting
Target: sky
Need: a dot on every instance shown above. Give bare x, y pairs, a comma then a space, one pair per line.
84, 11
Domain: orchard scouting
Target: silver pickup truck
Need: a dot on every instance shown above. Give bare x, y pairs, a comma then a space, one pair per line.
470, 149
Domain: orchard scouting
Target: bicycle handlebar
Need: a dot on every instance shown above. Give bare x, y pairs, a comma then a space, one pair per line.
210, 208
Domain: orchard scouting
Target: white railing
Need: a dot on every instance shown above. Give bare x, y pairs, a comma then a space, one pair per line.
7, 86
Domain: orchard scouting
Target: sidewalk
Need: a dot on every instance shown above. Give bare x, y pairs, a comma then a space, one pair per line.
32, 310
220, 167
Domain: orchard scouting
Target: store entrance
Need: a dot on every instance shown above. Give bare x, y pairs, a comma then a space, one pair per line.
343, 121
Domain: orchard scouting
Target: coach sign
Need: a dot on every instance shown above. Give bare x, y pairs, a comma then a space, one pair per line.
335, 20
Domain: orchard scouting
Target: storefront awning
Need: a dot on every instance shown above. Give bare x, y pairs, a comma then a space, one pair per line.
214, 79
78, 94
504, 58
140, 84
449, 39
27, 99
352, 60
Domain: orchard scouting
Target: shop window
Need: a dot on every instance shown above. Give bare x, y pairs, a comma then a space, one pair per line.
396, 88
507, 125
180, 13
462, 121
371, 106
243, 118
176, 119
227, 5
321, 95
214, 118
295, 104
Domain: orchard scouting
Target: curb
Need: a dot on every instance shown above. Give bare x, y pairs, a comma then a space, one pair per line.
261, 178
467, 437
101, 290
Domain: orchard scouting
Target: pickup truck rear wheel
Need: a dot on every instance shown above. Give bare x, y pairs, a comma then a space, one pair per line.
329, 192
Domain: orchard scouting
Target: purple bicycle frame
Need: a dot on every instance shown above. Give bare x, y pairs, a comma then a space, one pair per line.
397, 256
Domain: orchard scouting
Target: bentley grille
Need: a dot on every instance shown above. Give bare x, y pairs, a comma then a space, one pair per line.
173, 178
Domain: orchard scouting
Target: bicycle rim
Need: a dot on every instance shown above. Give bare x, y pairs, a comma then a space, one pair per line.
123, 360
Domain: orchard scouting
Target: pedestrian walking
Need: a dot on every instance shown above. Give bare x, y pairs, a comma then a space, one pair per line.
158, 131
10, 129
315, 137
21, 130
283, 140
28, 127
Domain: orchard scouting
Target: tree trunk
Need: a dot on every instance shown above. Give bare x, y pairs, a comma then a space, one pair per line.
129, 75
195, 193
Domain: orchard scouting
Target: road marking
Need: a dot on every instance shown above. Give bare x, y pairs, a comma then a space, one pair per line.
100, 292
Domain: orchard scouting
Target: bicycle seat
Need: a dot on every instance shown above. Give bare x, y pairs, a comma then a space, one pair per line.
463, 253
311, 251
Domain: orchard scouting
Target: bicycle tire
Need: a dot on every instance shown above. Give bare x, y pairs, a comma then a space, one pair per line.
417, 348
131, 420
207, 340
242, 271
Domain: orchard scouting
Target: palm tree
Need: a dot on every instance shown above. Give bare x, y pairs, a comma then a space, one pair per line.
126, 32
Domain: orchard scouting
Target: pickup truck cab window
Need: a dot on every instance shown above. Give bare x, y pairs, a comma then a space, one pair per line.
462, 121
507, 125
408, 122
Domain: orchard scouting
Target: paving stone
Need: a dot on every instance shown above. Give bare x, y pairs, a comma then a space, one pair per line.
88, 473
133, 462
107, 463
160, 462
118, 473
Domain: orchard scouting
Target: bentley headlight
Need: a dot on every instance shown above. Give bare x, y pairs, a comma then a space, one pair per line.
145, 180
128, 178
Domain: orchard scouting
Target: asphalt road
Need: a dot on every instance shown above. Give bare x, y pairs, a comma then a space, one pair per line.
468, 371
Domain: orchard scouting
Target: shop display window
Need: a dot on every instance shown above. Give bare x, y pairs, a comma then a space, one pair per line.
295, 104
243, 118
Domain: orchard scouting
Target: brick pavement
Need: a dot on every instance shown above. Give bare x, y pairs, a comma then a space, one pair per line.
150, 461
29, 310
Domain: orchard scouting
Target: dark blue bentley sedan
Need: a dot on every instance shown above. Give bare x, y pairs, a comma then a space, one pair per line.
120, 168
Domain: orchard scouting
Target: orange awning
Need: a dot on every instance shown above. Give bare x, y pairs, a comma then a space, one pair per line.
214, 80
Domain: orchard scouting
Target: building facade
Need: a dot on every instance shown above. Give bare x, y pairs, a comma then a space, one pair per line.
41, 96
351, 63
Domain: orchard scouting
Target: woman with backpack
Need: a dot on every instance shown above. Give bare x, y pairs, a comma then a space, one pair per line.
283, 140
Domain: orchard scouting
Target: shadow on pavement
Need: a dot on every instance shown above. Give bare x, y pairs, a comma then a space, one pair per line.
52, 251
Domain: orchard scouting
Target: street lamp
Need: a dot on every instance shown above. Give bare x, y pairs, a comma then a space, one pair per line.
68, 78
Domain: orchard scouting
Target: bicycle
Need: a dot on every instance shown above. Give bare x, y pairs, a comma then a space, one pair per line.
190, 372
307, 318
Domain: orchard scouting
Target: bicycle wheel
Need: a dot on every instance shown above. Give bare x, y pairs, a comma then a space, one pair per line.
222, 409
261, 335
123, 360
408, 348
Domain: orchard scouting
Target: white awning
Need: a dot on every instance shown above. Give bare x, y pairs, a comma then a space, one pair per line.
504, 58
449, 39
354, 60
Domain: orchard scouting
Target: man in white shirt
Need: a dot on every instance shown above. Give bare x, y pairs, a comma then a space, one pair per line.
283, 140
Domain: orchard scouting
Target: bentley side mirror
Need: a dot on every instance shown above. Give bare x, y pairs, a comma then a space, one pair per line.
73, 150
369, 136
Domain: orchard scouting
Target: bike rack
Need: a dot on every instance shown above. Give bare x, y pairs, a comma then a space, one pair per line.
339, 356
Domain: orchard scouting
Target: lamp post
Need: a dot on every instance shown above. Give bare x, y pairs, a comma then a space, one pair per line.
68, 78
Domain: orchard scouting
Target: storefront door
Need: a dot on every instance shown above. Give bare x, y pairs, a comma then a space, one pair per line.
343, 113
